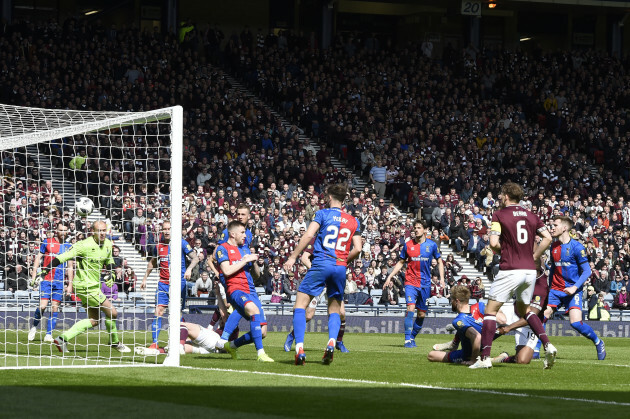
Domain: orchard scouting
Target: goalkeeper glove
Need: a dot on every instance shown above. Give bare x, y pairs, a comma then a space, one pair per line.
109, 280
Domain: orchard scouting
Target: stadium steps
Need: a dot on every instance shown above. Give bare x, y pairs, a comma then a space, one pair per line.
69, 194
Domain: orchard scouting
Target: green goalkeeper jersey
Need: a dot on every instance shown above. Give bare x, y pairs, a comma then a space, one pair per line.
90, 259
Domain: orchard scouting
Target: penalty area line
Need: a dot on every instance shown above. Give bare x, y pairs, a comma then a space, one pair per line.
410, 385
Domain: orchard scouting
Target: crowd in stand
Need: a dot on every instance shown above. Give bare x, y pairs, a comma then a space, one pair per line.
436, 135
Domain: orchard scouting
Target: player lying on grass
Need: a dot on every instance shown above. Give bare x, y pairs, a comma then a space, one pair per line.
307, 259
196, 339
467, 326
91, 255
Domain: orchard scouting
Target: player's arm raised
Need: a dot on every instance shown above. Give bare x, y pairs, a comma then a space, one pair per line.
151, 264
230, 269
311, 231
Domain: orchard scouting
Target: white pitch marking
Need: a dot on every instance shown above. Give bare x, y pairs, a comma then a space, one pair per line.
412, 385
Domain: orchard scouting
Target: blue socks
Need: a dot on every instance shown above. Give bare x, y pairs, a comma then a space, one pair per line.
256, 331
38, 317
408, 324
156, 326
334, 323
52, 323
299, 325
417, 326
586, 331
230, 325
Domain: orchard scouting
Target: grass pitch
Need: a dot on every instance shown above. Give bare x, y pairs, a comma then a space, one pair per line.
378, 378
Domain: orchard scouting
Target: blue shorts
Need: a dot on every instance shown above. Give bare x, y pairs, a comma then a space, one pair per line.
51, 290
239, 299
161, 295
328, 275
418, 296
560, 299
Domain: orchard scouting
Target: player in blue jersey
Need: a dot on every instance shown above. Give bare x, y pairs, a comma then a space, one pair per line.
51, 286
467, 326
235, 261
161, 258
230, 320
337, 242
418, 254
569, 269
307, 259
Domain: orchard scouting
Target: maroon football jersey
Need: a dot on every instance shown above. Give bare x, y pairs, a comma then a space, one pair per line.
519, 228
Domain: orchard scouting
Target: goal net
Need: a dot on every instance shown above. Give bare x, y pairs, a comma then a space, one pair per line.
71, 289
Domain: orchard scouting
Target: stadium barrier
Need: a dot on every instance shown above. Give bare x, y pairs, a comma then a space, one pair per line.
276, 323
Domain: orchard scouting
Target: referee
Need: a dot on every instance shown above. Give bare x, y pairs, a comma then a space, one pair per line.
378, 176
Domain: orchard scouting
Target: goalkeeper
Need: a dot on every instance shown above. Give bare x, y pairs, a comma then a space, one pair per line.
91, 255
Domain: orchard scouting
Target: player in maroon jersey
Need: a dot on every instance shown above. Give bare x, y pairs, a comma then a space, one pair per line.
512, 235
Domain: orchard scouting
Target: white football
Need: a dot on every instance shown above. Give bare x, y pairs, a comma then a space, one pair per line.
84, 206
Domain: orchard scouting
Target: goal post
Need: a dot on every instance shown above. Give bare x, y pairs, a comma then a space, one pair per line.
125, 162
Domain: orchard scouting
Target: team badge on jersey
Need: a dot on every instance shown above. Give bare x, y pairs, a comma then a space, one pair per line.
219, 254
460, 324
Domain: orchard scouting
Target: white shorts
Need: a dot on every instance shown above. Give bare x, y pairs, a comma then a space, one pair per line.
523, 335
315, 300
518, 281
207, 339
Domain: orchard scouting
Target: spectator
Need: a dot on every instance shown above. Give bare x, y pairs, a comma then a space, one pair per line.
110, 292
17, 279
203, 285
597, 308
129, 280
378, 177
621, 299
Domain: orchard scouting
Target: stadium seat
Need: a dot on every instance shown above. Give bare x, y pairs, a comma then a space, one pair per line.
260, 290
204, 295
607, 299
265, 299
442, 302
472, 301
376, 294
401, 300
6, 295
22, 295
136, 296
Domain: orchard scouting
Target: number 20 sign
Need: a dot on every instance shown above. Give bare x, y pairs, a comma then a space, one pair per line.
471, 8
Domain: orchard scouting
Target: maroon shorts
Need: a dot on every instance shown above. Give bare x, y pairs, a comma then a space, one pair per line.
541, 293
